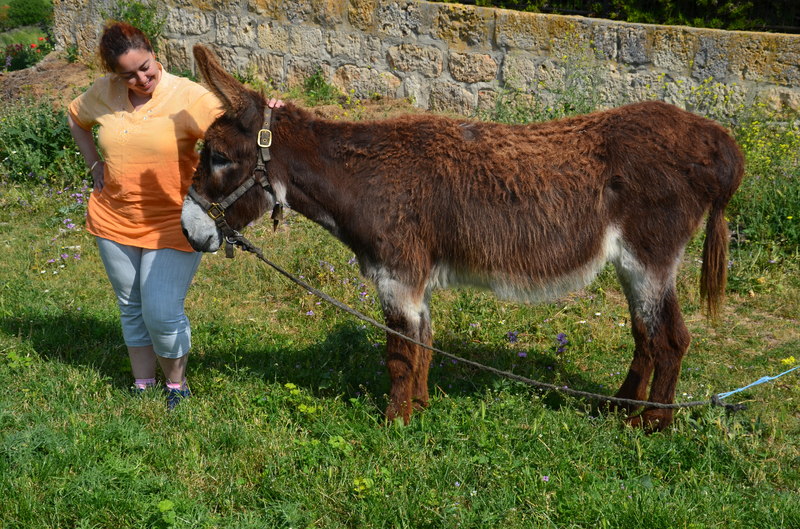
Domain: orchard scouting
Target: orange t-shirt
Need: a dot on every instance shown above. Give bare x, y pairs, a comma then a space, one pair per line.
150, 156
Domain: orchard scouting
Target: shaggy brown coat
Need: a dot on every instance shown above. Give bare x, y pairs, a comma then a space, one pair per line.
529, 212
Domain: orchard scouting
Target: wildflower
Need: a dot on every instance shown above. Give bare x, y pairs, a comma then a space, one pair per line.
562, 342
788, 361
64, 256
512, 336
545, 478
522, 354
310, 313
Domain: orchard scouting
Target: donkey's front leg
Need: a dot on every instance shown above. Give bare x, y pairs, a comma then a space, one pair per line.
405, 312
403, 361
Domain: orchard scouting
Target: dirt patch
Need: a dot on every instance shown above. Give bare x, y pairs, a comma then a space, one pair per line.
52, 77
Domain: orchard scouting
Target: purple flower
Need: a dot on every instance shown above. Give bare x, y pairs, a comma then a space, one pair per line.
562, 338
64, 256
522, 354
545, 478
512, 336
310, 313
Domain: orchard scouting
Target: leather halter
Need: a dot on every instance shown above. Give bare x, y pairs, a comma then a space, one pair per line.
216, 210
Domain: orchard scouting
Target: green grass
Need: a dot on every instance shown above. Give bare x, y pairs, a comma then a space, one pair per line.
285, 429
24, 35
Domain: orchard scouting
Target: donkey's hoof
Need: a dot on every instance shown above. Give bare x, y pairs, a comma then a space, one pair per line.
651, 420
396, 413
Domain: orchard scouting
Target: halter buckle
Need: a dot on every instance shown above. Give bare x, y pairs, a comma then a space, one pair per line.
215, 211
264, 138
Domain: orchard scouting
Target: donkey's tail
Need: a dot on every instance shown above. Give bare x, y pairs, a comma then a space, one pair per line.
714, 271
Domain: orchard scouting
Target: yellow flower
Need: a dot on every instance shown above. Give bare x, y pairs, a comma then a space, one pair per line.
788, 361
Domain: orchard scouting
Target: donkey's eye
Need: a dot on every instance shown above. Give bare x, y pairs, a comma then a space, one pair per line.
219, 159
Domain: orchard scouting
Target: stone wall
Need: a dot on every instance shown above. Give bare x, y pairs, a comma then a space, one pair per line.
458, 58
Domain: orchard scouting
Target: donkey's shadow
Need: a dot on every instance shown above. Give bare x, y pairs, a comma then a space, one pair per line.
347, 362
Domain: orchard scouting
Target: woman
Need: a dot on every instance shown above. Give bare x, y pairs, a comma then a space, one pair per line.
149, 124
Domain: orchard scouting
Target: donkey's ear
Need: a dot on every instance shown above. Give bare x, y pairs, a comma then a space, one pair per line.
225, 87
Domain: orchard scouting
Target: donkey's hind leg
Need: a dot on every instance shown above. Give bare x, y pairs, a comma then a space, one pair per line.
670, 340
661, 339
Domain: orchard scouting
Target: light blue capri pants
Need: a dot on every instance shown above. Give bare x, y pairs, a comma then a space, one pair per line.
151, 287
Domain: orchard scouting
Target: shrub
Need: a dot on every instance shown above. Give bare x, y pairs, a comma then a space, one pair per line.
29, 12
143, 15
36, 146
21, 56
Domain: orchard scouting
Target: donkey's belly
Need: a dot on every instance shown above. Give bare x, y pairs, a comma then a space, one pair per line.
530, 288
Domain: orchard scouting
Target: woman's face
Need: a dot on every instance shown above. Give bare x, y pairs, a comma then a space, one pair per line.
139, 69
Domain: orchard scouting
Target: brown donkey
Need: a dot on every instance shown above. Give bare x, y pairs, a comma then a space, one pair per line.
529, 212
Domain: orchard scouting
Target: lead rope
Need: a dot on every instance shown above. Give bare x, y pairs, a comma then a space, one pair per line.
715, 400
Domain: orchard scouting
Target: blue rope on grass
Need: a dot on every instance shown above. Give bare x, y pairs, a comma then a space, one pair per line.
761, 380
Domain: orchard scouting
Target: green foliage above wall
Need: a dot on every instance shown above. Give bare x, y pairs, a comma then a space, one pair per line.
767, 15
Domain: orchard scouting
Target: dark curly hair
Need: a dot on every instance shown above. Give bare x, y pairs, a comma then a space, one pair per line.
119, 38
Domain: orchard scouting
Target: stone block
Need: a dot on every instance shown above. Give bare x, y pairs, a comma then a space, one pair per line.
399, 19
306, 41
523, 31
188, 22
462, 26
273, 36
298, 70
426, 60
360, 13
234, 30
472, 67
366, 82
711, 59
519, 70
451, 97
633, 45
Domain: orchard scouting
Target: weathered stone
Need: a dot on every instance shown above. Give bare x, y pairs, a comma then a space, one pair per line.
272, 9
426, 60
523, 31
416, 90
487, 99
354, 46
547, 56
365, 82
781, 99
461, 25
472, 67
673, 48
305, 41
232, 59
270, 67
186, 22
360, 13
298, 70
518, 70
399, 19
632, 49
273, 36
177, 55
451, 97
236, 31
711, 60
605, 41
